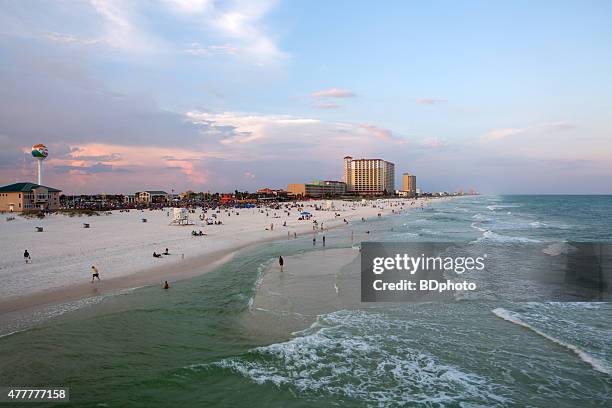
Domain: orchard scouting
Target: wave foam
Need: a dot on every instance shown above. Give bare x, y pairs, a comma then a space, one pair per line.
350, 354
512, 317
506, 238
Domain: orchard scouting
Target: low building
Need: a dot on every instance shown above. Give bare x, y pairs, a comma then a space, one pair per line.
130, 198
267, 192
227, 198
152, 196
318, 188
28, 197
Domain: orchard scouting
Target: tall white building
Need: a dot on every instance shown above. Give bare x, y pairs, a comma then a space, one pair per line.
369, 176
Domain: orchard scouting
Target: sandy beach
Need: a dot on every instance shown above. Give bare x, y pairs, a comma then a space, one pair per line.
121, 245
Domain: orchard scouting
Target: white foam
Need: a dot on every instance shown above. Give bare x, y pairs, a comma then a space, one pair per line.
382, 366
506, 238
475, 226
500, 206
584, 356
258, 281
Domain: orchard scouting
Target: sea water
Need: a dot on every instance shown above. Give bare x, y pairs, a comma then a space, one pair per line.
208, 342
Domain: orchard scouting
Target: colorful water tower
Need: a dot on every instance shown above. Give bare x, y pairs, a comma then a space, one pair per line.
40, 153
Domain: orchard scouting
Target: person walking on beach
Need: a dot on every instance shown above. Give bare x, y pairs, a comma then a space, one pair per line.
323, 240
281, 262
26, 256
94, 274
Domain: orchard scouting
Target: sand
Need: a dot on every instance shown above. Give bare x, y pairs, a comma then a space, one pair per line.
120, 245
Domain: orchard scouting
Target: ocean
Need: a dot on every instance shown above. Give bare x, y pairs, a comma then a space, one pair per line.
246, 335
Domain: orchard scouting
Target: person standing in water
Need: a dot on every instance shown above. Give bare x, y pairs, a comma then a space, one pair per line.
323, 240
166, 285
281, 262
94, 274
26, 256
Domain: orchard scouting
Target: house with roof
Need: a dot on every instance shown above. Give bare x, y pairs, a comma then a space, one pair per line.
152, 196
28, 197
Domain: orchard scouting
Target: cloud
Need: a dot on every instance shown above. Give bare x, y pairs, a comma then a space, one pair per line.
382, 134
504, 133
69, 39
196, 49
333, 93
330, 105
87, 170
239, 26
431, 101
189, 6
215, 28
121, 30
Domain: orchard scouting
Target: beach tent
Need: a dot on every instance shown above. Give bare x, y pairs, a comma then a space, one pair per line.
305, 213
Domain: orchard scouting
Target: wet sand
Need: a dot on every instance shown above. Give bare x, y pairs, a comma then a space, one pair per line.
311, 284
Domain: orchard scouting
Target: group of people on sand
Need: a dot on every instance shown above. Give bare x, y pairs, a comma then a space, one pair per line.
197, 233
156, 255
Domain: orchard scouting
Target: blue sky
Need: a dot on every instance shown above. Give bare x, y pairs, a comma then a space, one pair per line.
504, 97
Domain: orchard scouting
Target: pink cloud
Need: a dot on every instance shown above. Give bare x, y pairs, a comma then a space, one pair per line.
333, 93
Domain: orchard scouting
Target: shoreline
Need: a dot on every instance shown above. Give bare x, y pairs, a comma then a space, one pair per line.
19, 306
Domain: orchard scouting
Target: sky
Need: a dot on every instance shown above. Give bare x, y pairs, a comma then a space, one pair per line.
504, 97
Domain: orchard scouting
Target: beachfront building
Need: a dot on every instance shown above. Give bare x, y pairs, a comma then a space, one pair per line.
269, 192
409, 185
318, 188
369, 176
28, 197
152, 196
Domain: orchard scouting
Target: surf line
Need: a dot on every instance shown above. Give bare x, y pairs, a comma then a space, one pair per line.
587, 358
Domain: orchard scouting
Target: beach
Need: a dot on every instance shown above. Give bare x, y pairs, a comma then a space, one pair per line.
120, 245
303, 337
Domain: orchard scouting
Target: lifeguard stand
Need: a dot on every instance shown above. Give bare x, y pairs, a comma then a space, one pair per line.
180, 216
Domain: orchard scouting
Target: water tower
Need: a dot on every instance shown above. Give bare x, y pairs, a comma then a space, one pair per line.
40, 153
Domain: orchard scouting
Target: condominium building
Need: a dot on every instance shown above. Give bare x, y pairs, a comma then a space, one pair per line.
28, 197
369, 176
318, 188
409, 184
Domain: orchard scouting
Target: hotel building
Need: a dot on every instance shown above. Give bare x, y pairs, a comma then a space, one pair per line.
28, 197
369, 176
318, 188
409, 184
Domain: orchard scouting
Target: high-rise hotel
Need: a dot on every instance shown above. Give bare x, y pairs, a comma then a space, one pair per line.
409, 184
369, 176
